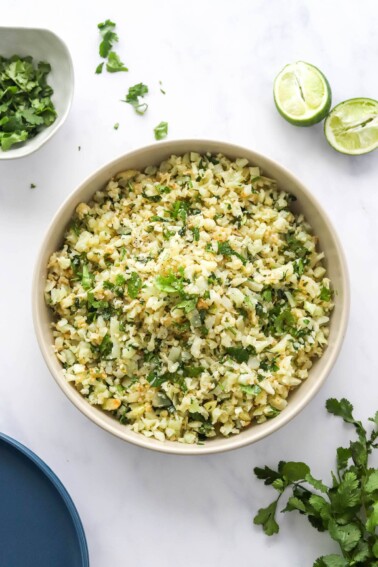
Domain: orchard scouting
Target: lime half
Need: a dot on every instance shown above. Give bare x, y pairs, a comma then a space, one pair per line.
302, 94
352, 126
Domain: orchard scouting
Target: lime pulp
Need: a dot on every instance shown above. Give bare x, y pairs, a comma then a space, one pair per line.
352, 126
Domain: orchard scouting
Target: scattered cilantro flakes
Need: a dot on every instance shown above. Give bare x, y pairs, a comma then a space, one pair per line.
325, 294
161, 88
253, 390
106, 346
134, 285
109, 38
224, 249
161, 131
132, 97
114, 64
347, 510
32, 186
187, 305
99, 68
25, 100
116, 126
240, 354
86, 277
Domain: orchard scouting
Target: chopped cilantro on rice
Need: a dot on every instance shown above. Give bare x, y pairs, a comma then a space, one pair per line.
189, 300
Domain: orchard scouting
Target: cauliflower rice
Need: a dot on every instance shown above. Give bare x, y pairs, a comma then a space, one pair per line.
189, 300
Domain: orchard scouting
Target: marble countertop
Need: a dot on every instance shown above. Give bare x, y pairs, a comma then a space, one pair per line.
217, 62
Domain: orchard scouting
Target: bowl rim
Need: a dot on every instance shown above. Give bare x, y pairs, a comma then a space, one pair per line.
56, 125
232, 442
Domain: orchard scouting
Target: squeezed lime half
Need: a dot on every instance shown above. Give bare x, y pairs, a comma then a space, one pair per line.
352, 126
302, 94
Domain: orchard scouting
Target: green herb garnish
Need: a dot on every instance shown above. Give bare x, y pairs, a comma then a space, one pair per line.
224, 248
253, 390
99, 68
156, 379
296, 247
132, 97
240, 354
187, 305
114, 64
134, 285
325, 294
152, 198
106, 346
25, 100
161, 131
116, 126
86, 278
193, 371
347, 510
109, 38
196, 233
179, 210
170, 283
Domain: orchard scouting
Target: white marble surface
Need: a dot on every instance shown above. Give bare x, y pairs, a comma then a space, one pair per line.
217, 61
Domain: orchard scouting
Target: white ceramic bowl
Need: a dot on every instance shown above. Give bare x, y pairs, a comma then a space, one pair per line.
306, 203
42, 45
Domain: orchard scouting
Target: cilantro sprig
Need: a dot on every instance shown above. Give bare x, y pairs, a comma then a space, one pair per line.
348, 509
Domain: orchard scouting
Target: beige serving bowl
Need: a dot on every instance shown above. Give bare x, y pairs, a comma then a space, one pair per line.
306, 203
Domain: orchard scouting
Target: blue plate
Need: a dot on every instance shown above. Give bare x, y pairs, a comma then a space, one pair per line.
39, 524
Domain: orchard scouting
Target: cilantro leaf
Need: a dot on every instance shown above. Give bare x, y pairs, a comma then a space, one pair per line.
253, 390
109, 37
267, 474
106, 346
317, 484
193, 371
295, 471
240, 354
348, 493
372, 481
343, 456
331, 561
134, 285
170, 283
132, 97
372, 517
99, 68
114, 64
161, 131
342, 408
295, 503
86, 278
347, 536
325, 294
225, 249
187, 305
266, 518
